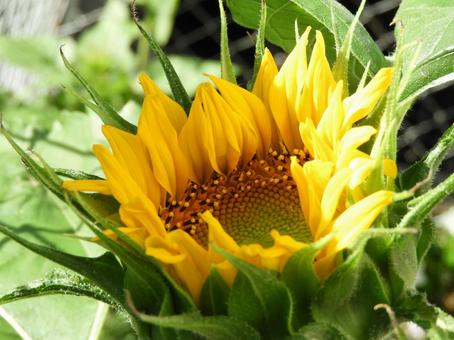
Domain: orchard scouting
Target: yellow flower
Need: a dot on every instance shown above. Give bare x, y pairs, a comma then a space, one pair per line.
261, 174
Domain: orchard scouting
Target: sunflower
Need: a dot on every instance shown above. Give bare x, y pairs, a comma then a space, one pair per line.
260, 173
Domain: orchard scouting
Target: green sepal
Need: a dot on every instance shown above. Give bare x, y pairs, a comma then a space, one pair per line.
301, 279
317, 331
59, 282
75, 174
210, 327
214, 295
425, 238
107, 114
348, 296
403, 262
227, 71
178, 90
166, 309
421, 206
259, 298
428, 165
259, 45
340, 68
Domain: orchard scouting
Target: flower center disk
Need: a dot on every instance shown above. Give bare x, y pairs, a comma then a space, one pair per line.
249, 203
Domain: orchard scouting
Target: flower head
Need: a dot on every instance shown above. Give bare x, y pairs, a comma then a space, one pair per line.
261, 174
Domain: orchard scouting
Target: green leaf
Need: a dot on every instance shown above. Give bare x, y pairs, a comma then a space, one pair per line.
214, 295
226, 62
429, 164
301, 279
260, 299
58, 282
330, 17
178, 90
421, 206
210, 327
107, 114
431, 24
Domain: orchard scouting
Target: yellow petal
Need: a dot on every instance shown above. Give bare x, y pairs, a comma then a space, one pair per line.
140, 213
247, 104
311, 180
286, 90
318, 85
121, 183
138, 235
194, 250
362, 102
330, 200
131, 154
265, 77
163, 250
192, 140
229, 139
359, 217
361, 168
174, 111
390, 168
170, 165
218, 236
97, 185
331, 120
317, 146
350, 142
326, 265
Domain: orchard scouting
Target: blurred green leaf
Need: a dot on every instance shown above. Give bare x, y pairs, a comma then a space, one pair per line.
41, 57
429, 23
160, 15
107, 45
